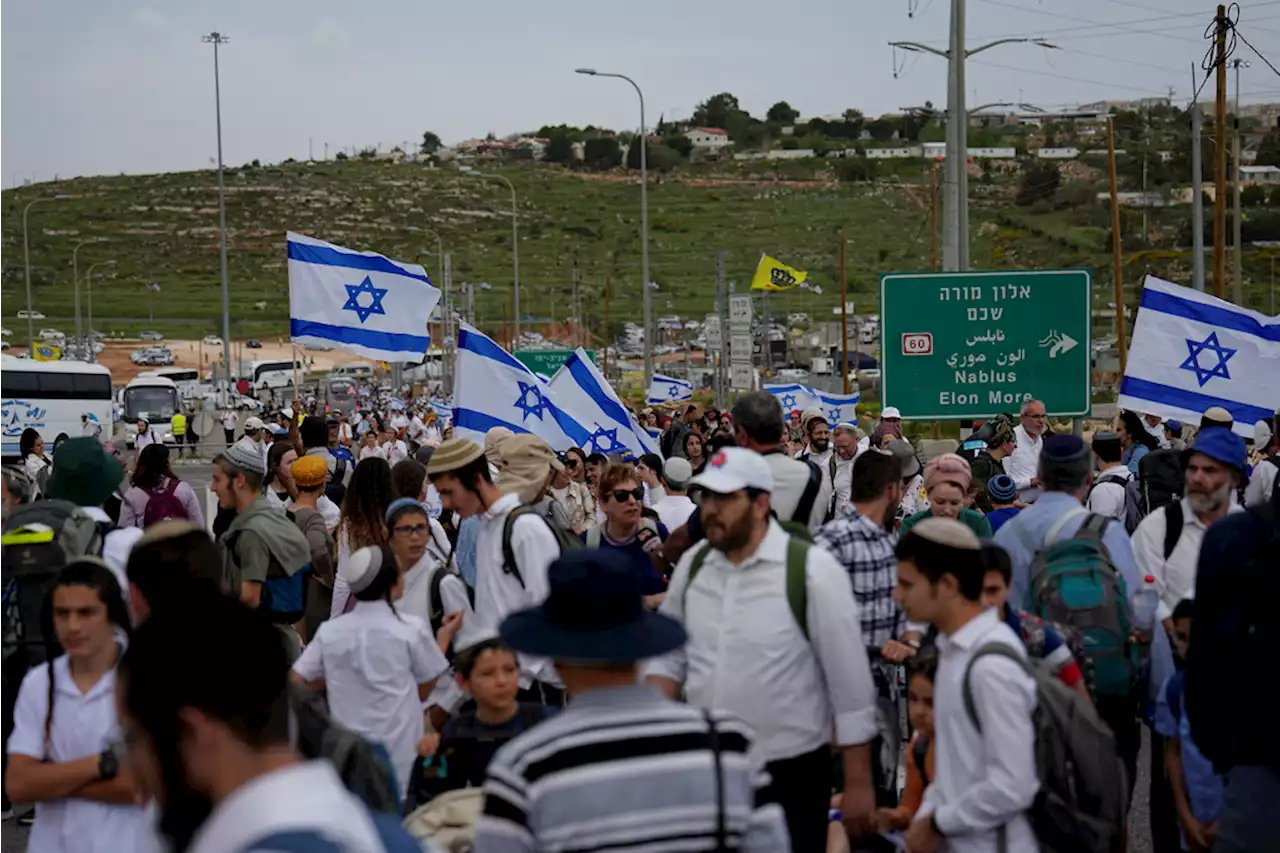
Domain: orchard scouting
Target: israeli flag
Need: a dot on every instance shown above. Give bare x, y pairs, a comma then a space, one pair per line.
1192, 351
793, 397
583, 394
665, 389
493, 389
361, 302
838, 408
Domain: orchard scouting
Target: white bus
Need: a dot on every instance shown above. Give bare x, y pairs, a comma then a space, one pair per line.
154, 398
186, 378
51, 397
264, 375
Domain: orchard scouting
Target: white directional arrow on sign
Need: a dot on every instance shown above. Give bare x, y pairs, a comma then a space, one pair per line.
1058, 343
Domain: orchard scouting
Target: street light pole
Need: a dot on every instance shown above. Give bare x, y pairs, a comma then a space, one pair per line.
88, 281
75, 278
26, 260
216, 38
955, 222
644, 226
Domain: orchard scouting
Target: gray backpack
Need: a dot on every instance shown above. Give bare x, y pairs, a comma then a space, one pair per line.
1083, 795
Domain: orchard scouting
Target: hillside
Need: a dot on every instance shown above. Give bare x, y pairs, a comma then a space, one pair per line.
163, 228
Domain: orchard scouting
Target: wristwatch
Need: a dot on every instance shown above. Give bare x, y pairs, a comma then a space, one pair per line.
108, 764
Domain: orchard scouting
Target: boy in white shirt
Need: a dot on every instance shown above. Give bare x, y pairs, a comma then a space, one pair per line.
985, 778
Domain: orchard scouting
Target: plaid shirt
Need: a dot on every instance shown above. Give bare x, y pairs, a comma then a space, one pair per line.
865, 549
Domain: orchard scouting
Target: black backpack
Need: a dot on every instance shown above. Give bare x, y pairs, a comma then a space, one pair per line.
1161, 481
566, 539
334, 490
364, 767
39, 540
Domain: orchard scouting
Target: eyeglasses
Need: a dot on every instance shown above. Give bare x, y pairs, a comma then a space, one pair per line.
571, 463
412, 529
1039, 416
621, 495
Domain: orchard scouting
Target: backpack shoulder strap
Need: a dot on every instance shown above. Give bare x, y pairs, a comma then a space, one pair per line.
1051, 535
798, 582
172, 486
998, 649
804, 509
508, 554
293, 841
435, 600
695, 566
1173, 521
593, 536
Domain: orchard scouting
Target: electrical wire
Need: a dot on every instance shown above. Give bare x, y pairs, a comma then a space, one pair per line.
1094, 23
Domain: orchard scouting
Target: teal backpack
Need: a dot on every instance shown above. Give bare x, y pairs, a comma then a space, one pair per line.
1075, 583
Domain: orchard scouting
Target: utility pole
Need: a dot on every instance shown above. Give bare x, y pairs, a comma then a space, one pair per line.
216, 39
575, 338
722, 363
608, 281
1220, 157
1116, 275
844, 313
933, 222
1237, 272
1197, 197
450, 337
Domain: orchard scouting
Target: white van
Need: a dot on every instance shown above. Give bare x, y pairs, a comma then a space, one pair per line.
51, 397
154, 398
359, 369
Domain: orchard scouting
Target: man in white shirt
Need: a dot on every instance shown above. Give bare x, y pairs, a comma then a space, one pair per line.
232, 781
985, 775
1166, 544
1107, 495
674, 508
801, 492
1029, 435
796, 683
845, 442
86, 475
1262, 483
1155, 426
460, 472
229, 421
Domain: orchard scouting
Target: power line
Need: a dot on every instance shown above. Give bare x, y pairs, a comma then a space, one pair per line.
1093, 23
1058, 76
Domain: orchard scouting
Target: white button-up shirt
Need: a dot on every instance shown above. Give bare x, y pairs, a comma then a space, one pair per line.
499, 593
1022, 465
983, 779
843, 485
1176, 576
305, 796
1107, 498
84, 724
747, 656
372, 661
1262, 483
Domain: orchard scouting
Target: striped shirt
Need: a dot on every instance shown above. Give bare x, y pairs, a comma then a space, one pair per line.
622, 768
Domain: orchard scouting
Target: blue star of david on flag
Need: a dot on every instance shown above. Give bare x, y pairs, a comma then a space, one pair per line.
597, 440
353, 299
834, 413
674, 391
1209, 344
526, 408
788, 401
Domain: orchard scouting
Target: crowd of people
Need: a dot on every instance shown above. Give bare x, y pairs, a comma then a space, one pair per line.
779, 633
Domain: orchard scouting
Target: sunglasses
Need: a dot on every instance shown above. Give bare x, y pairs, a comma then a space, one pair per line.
411, 529
621, 495
571, 463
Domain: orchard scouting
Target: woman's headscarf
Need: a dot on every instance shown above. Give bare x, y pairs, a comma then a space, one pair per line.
948, 468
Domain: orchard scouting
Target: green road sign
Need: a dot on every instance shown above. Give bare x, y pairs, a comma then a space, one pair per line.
973, 344
547, 361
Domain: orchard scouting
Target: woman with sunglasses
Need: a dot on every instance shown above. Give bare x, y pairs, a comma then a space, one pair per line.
570, 488
625, 528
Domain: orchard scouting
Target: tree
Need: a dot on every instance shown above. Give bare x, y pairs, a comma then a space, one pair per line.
782, 114
1040, 180
430, 143
716, 110
602, 153
341, 155
680, 144
881, 129
1253, 196
1268, 150
559, 148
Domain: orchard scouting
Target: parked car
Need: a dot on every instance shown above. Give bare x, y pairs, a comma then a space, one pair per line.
4, 345
253, 343
5, 333
212, 341
24, 314
151, 336
50, 334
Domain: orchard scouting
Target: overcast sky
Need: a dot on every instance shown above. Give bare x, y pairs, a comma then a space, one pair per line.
106, 86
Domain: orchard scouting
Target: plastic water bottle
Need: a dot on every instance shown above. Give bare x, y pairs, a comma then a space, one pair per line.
1144, 603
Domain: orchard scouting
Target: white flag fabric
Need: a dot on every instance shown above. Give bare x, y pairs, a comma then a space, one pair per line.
1192, 351
794, 397
492, 389
582, 393
666, 389
839, 408
361, 302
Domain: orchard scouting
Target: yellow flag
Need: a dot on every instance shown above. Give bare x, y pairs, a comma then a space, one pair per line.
772, 274
47, 352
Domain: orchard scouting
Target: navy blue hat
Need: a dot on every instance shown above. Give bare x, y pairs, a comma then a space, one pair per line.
1218, 443
1002, 489
1063, 448
1172, 425
594, 612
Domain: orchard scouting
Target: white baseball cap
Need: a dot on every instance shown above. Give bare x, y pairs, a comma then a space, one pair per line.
733, 469
891, 412
253, 424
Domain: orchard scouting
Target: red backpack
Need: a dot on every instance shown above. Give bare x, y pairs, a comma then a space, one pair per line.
163, 504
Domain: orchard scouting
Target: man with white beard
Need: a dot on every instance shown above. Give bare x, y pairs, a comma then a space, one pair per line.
1166, 544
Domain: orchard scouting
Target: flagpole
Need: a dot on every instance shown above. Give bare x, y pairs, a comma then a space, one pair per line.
844, 318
